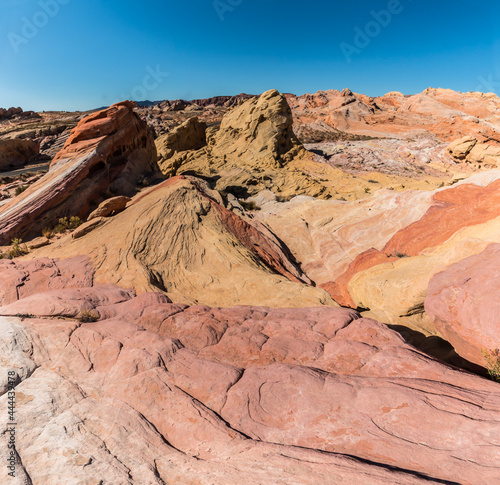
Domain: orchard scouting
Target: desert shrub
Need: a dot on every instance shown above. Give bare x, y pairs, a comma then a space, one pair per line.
23, 316
88, 316
398, 254
75, 222
21, 189
250, 206
16, 249
367, 190
66, 224
48, 233
492, 359
63, 225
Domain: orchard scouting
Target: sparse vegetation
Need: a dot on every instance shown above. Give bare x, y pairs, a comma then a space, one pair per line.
367, 190
65, 224
16, 249
23, 316
48, 233
250, 205
88, 316
492, 359
373, 181
20, 189
398, 254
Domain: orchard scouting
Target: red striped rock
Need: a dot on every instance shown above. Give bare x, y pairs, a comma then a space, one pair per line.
108, 151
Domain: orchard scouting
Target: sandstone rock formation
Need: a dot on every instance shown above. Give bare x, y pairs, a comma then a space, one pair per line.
463, 303
15, 153
106, 154
471, 150
442, 112
110, 207
191, 332
381, 253
177, 237
156, 392
190, 135
254, 149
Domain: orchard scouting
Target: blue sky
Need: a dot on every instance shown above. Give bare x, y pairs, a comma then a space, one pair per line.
84, 54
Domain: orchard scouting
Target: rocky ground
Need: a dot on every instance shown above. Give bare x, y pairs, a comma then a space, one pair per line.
270, 289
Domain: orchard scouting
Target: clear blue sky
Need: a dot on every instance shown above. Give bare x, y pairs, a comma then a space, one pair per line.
92, 53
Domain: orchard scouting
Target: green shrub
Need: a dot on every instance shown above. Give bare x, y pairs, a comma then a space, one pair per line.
16, 249
492, 359
65, 224
21, 189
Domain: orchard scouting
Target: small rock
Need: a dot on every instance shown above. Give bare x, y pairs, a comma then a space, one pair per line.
88, 227
38, 242
110, 207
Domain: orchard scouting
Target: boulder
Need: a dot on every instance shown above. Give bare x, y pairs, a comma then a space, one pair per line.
463, 302
15, 153
110, 207
190, 135
471, 150
461, 148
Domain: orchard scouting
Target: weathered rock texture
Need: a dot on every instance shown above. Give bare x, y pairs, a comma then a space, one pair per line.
442, 112
469, 149
171, 147
178, 238
105, 155
381, 253
156, 392
254, 149
463, 302
15, 153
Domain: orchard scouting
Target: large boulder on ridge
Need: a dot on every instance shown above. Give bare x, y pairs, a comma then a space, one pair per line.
15, 153
171, 147
105, 156
254, 149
